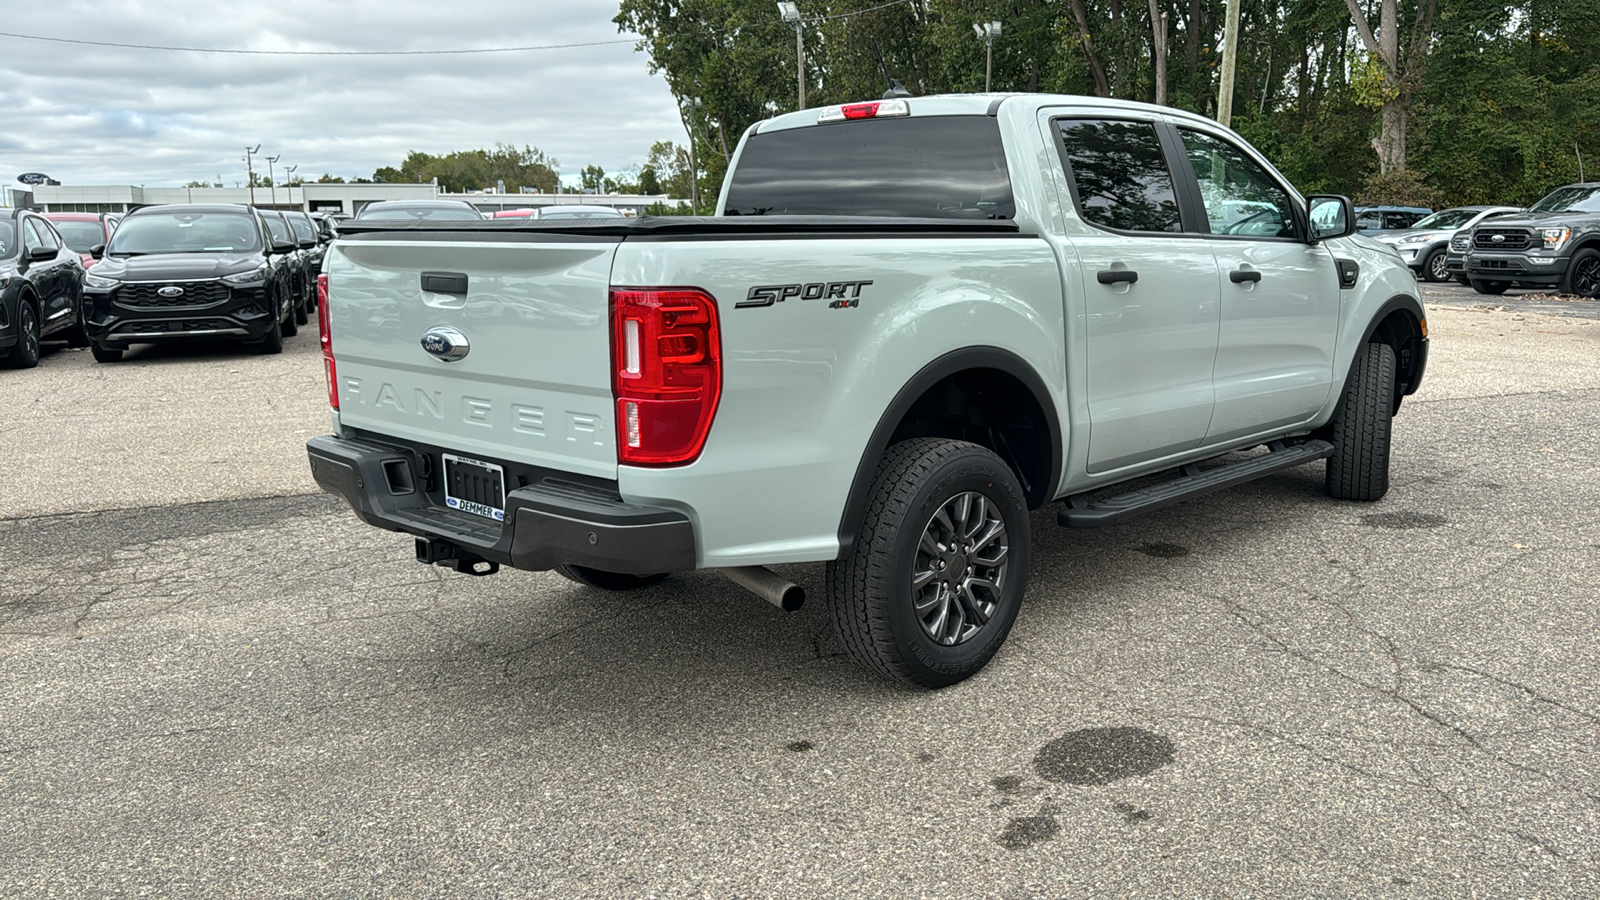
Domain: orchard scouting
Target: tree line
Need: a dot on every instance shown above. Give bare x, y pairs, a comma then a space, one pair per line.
1432, 102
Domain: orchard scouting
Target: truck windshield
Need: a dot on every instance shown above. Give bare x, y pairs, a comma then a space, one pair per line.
942, 167
185, 232
1569, 199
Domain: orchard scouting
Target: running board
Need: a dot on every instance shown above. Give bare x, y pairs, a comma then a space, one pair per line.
1081, 513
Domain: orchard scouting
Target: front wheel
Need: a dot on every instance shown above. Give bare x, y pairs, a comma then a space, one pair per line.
607, 581
1583, 275
25, 352
1359, 466
940, 565
1490, 287
1433, 267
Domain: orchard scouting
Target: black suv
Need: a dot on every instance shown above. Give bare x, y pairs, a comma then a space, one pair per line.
1555, 244
41, 280
185, 272
302, 281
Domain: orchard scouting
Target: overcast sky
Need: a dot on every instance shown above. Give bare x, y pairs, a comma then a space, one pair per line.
102, 115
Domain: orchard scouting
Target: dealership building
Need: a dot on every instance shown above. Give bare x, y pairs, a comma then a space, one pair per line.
333, 198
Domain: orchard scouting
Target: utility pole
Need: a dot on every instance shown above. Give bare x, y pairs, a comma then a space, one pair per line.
1230, 59
791, 14
694, 167
249, 173
271, 182
288, 181
987, 32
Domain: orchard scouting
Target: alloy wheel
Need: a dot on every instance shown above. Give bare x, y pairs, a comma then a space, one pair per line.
960, 569
1586, 277
1436, 268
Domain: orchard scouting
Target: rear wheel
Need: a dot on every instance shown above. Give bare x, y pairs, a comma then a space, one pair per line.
1359, 466
607, 581
25, 352
1433, 267
1583, 275
1490, 287
939, 568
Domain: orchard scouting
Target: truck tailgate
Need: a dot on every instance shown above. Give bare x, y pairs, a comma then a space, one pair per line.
535, 383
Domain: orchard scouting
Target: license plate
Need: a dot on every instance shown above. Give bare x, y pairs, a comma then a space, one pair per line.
474, 486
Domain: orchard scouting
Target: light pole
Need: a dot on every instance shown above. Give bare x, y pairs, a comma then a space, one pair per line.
791, 14
288, 181
987, 32
271, 182
249, 173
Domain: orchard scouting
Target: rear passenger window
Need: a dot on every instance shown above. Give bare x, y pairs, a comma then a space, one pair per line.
1120, 174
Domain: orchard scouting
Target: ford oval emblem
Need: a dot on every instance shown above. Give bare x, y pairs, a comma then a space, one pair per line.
170, 290
1498, 239
445, 343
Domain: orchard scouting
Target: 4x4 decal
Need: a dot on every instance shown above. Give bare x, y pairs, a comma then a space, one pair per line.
844, 294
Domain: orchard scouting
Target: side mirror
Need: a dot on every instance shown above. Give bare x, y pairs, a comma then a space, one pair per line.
1331, 215
41, 254
282, 247
98, 251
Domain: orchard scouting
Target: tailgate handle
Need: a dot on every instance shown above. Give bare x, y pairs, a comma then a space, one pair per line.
445, 283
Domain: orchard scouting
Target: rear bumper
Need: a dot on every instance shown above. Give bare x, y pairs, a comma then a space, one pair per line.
547, 523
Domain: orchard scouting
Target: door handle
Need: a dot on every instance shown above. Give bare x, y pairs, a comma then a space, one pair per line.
1240, 276
1117, 276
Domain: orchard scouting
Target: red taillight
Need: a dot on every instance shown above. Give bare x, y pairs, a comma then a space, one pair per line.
666, 355
327, 342
859, 110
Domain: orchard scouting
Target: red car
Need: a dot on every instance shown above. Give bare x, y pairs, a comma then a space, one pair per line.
84, 231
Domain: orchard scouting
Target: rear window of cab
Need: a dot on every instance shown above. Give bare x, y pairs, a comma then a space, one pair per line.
936, 167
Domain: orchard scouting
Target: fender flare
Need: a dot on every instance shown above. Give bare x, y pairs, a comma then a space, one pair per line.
1398, 303
855, 508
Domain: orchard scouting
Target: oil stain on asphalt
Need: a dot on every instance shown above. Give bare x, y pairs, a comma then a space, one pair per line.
1102, 755
1092, 756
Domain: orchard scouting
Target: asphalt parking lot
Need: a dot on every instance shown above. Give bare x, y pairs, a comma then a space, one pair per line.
214, 681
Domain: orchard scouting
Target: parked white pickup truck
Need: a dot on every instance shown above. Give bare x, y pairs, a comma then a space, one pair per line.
912, 321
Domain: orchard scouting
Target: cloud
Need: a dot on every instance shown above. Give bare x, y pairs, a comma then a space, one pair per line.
100, 115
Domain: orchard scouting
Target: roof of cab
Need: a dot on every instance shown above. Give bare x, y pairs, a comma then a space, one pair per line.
988, 104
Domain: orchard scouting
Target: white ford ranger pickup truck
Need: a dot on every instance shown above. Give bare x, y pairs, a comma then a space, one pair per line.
912, 321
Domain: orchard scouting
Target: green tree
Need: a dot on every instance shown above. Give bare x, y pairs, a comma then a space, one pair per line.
326, 178
594, 178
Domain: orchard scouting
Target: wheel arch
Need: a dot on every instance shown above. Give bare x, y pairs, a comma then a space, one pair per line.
1017, 390
1402, 324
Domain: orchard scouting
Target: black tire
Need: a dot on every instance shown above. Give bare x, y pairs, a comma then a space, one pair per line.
1583, 274
78, 334
105, 354
25, 352
302, 312
1464, 281
607, 581
1359, 466
273, 342
290, 326
871, 596
1489, 287
1433, 267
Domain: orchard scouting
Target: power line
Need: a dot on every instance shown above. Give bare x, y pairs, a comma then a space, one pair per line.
457, 52
57, 40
